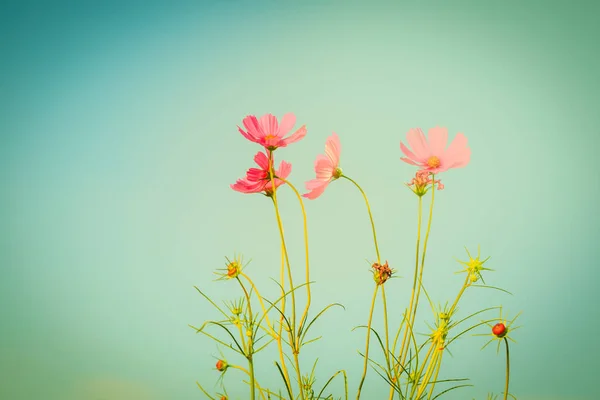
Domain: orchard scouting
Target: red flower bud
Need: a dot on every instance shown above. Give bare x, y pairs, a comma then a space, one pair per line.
499, 330
221, 365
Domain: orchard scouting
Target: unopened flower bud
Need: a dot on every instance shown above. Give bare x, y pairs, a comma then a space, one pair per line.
222, 365
499, 330
233, 269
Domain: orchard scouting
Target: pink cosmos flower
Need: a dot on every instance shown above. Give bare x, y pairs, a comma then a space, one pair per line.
433, 156
326, 167
258, 179
266, 132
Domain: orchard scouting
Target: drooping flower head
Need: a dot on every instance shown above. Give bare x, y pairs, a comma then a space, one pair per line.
432, 155
326, 167
268, 133
258, 180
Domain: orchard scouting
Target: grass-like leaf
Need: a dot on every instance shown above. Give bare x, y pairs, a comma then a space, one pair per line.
289, 390
302, 332
230, 334
204, 391
201, 330
492, 287
212, 302
449, 389
343, 372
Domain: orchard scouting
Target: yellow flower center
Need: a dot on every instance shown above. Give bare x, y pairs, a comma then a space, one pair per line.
269, 137
433, 162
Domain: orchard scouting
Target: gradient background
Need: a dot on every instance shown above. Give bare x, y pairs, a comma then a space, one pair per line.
119, 141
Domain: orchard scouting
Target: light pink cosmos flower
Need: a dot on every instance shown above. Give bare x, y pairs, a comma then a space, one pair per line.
266, 132
326, 167
258, 179
433, 156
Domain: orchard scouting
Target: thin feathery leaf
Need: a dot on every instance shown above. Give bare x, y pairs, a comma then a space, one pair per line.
204, 391
289, 390
452, 388
492, 287
212, 302
302, 333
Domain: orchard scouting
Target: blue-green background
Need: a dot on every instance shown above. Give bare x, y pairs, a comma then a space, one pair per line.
119, 142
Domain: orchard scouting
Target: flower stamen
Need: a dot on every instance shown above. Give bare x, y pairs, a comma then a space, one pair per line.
433, 162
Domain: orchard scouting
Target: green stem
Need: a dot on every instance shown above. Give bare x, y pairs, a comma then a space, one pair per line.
289, 269
404, 345
282, 236
507, 370
308, 295
250, 351
252, 384
387, 338
362, 379
370, 216
424, 249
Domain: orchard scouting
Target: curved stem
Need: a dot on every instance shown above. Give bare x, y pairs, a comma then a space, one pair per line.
308, 297
273, 195
362, 379
507, 369
262, 304
287, 261
370, 217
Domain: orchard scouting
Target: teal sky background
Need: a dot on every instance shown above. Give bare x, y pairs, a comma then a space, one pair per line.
119, 142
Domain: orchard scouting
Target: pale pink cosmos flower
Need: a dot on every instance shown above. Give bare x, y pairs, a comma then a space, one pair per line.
258, 180
432, 155
326, 167
268, 133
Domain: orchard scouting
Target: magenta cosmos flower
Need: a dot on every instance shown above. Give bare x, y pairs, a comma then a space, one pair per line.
268, 133
257, 180
326, 167
432, 155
